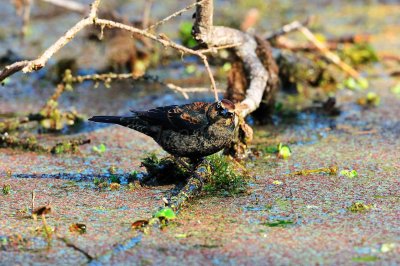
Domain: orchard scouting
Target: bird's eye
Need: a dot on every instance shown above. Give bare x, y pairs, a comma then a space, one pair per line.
219, 105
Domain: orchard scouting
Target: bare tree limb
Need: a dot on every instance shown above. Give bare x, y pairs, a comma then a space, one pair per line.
205, 32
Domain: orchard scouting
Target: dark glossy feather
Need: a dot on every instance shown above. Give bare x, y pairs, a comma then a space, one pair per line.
184, 117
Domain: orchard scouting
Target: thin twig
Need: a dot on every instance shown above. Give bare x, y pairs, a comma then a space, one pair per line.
177, 13
293, 26
146, 13
26, 15
68, 243
33, 201
214, 49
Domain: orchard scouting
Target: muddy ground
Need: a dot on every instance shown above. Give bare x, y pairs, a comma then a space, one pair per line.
282, 219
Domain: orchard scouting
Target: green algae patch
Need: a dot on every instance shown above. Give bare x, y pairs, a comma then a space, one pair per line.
6, 189
372, 99
165, 213
349, 173
354, 84
284, 151
100, 149
365, 259
359, 207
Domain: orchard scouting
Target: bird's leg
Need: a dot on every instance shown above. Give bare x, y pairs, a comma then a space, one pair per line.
196, 163
184, 164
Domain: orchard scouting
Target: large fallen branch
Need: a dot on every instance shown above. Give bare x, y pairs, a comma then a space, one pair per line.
205, 32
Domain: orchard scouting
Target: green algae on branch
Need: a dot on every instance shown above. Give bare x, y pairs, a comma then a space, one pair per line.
333, 170
278, 223
30, 144
70, 146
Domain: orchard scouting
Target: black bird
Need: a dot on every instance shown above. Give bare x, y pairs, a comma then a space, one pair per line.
192, 130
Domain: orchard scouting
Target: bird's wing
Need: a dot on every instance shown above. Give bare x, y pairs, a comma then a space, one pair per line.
187, 117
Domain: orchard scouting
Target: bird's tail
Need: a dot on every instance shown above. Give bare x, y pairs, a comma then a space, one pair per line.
119, 120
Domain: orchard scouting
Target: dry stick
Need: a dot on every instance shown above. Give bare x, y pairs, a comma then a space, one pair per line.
33, 201
328, 54
146, 13
177, 13
68, 243
215, 48
293, 26
70, 5
46, 230
26, 16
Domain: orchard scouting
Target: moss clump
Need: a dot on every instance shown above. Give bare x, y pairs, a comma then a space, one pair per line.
6, 189
225, 177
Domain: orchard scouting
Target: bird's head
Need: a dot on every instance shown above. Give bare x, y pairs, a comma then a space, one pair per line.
222, 112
